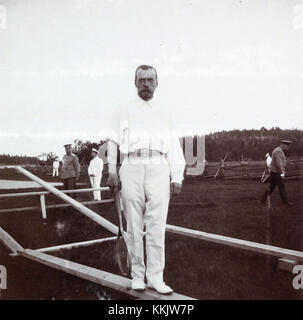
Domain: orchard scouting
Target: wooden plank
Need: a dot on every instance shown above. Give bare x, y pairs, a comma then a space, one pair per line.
97, 276
10, 242
238, 243
86, 190
43, 209
89, 213
76, 244
52, 206
23, 194
7, 166
38, 193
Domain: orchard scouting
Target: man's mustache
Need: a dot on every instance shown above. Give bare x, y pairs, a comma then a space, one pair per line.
145, 88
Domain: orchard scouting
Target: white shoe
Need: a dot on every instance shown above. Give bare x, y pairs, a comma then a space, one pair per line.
161, 288
138, 284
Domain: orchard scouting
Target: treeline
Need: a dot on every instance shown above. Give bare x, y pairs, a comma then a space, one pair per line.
240, 145
246, 145
15, 160
250, 144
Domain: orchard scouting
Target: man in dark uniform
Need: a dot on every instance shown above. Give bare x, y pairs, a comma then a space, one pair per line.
277, 172
70, 171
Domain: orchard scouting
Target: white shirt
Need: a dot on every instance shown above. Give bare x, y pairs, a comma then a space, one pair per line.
141, 124
95, 167
56, 164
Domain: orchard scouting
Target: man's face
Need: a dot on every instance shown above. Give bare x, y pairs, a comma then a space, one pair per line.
285, 147
68, 150
146, 83
93, 154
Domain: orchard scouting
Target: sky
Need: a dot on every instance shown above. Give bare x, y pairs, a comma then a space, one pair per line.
222, 65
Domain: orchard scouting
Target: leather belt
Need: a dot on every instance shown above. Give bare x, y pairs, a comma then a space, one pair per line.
145, 153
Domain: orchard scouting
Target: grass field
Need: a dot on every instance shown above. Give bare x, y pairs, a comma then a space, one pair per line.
194, 267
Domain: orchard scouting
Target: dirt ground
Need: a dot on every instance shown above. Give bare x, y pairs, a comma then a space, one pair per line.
194, 267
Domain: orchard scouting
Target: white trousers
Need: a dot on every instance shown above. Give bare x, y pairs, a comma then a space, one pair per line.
145, 197
95, 182
55, 172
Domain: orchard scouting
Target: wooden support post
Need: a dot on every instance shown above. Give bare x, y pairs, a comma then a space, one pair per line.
42, 203
89, 213
268, 202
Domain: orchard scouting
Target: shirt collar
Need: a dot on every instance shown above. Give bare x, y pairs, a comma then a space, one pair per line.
142, 102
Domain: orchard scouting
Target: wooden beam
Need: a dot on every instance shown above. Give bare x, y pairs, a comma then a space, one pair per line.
86, 190
238, 243
89, 213
76, 244
8, 167
52, 206
23, 194
97, 276
10, 242
38, 193
43, 209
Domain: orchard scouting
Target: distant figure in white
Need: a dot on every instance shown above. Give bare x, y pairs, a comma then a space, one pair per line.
95, 173
56, 167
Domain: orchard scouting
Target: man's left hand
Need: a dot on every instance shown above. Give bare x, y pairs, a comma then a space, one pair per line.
175, 188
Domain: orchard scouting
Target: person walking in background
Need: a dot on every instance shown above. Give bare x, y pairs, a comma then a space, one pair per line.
277, 172
56, 167
95, 173
265, 175
70, 171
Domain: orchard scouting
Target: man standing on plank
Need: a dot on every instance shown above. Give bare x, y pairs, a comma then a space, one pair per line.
70, 171
277, 172
152, 169
95, 169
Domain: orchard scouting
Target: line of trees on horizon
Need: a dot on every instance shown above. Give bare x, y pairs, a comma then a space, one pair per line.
246, 145
251, 144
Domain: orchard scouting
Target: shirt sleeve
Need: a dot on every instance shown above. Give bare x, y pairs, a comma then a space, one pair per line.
90, 168
176, 161
115, 130
98, 167
280, 162
175, 156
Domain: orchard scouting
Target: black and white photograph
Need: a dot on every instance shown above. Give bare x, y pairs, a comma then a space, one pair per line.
151, 150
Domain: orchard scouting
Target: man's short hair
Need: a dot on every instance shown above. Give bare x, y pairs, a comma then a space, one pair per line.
145, 67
